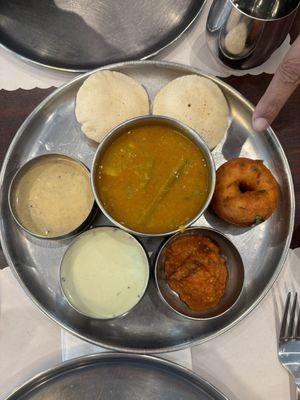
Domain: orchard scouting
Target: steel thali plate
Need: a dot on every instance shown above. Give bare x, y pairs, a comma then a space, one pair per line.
117, 376
83, 35
151, 327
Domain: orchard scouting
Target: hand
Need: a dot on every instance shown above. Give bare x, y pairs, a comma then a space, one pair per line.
283, 84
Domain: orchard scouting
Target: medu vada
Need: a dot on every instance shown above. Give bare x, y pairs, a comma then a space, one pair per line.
246, 192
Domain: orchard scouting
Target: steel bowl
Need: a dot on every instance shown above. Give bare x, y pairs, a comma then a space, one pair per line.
18, 175
235, 281
242, 34
154, 120
105, 228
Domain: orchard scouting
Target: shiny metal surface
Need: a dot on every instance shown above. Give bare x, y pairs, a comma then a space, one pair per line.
20, 172
83, 35
153, 327
242, 34
116, 376
154, 120
234, 284
289, 340
105, 228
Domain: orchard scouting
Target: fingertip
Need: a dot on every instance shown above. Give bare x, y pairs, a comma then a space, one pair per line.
259, 124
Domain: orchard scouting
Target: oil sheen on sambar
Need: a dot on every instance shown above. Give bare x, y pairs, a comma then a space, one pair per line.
152, 179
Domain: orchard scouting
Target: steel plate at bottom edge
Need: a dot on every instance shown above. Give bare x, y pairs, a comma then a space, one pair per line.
117, 376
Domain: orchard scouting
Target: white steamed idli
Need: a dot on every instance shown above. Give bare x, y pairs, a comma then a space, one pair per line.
107, 98
199, 103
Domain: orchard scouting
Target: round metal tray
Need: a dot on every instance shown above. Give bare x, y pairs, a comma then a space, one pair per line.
152, 326
117, 376
80, 36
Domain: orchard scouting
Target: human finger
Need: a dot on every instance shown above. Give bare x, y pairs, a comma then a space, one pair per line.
283, 84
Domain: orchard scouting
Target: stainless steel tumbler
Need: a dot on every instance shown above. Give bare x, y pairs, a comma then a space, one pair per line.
242, 34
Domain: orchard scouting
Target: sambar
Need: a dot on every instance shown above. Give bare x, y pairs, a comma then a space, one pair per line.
152, 179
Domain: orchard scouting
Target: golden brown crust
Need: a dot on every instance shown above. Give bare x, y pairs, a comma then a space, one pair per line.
246, 192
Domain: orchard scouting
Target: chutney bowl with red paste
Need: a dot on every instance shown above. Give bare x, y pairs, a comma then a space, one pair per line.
199, 273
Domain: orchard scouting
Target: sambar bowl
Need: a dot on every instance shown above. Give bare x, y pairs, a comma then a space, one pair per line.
154, 120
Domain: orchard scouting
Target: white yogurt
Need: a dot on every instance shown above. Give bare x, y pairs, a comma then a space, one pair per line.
104, 273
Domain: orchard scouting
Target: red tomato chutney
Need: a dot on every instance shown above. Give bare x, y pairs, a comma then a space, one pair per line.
196, 271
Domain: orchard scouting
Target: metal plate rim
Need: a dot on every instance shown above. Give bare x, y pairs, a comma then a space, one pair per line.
83, 70
93, 359
186, 69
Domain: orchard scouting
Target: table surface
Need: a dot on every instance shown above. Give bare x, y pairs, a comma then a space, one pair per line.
16, 105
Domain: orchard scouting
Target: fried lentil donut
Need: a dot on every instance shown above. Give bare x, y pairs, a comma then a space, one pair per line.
246, 192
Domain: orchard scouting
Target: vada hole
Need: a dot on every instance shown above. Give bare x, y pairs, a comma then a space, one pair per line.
244, 187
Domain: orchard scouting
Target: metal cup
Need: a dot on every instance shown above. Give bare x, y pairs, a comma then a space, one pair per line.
243, 34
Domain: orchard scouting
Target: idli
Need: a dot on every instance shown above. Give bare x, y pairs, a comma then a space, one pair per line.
107, 98
199, 103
